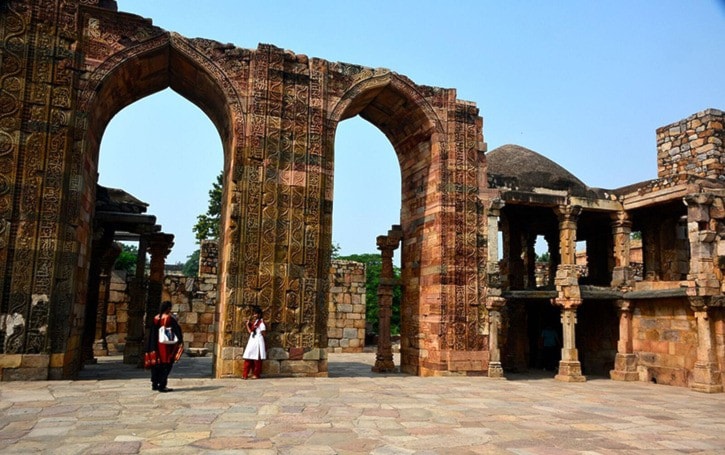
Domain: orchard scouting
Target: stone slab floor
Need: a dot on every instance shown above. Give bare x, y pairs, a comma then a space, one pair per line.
112, 410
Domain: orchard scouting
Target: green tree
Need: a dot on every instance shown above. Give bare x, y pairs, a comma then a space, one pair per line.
207, 225
127, 259
543, 257
373, 267
191, 266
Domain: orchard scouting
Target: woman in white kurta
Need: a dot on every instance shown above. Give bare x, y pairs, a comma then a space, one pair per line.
256, 351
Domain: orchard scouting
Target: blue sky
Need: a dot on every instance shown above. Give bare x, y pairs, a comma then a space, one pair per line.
584, 83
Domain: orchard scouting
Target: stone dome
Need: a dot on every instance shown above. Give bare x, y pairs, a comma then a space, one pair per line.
518, 168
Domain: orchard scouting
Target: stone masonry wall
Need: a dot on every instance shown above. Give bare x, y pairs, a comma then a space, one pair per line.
346, 304
665, 341
194, 300
693, 146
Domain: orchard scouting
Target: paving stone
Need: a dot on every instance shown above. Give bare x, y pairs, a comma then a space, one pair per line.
357, 413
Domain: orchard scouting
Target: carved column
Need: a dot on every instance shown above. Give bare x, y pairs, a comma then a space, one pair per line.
568, 294
132, 352
621, 232
706, 374
625, 362
100, 346
494, 305
386, 244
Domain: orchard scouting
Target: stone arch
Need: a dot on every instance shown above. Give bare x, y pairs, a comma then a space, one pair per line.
400, 111
167, 61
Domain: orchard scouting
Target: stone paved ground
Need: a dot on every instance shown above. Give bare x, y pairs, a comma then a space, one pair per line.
112, 410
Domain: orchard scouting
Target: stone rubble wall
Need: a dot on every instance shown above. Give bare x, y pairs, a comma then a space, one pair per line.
693, 146
346, 306
194, 300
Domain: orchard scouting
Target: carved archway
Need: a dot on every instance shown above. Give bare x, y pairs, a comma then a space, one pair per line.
167, 61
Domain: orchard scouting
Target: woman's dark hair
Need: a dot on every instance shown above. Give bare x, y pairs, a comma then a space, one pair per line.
164, 307
257, 310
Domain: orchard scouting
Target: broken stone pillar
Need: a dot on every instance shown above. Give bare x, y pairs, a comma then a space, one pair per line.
386, 244
706, 374
625, 362
621, 231
494, 305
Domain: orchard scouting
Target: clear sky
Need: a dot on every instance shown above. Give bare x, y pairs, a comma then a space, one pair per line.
583, 83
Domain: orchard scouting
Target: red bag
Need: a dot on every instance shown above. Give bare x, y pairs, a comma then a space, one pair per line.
150, 359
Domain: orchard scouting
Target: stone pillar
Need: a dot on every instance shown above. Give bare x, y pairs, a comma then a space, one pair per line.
621, 232
386, 244
570, 369
625, 362
100, 347
160, 245
552, 242
568, 294
530, 263
702, 235
132, 352
100, 245
493, 279
494, 305
706, 374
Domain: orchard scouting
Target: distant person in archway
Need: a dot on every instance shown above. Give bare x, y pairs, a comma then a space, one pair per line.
256, 351
168, 346
550, 345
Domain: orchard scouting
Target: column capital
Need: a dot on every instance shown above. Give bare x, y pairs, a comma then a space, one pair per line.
567, 212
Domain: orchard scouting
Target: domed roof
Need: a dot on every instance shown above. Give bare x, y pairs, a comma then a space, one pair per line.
522, 169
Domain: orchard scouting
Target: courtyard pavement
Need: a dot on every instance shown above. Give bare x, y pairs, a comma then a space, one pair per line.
112, 410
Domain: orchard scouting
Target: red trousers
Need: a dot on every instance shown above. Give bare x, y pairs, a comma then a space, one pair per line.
256, 366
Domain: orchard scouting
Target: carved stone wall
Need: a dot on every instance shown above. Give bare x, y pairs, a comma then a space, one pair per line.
69, 66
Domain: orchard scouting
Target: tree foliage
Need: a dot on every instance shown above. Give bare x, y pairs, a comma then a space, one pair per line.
208, 224
373, 267
127, 259
191, 266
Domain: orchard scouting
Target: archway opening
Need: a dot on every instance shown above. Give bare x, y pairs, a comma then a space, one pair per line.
409, 124
366, 205
155, 140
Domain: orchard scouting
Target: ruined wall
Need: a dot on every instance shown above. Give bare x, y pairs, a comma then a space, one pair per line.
693, 146
346, 322
117, 313
665, 341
